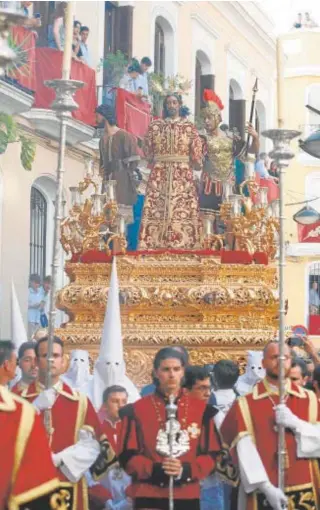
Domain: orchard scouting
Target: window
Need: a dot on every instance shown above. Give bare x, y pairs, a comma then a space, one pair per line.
259, 123
38, 232
313, 99
204, 79
314, 298
313, 189
237, 108
159, 50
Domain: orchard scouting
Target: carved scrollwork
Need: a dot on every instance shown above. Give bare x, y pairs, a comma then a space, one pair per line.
216, 310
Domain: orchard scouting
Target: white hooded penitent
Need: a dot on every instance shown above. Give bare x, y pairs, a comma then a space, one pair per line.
78, 374
253, 374
18, 330
110, 368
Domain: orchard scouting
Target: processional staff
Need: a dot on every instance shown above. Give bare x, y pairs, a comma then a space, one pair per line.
171, 409
281, 429
252, 110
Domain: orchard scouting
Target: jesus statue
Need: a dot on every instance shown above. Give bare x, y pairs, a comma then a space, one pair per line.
171, 210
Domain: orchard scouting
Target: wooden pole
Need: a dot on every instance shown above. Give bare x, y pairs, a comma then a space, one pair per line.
280, 84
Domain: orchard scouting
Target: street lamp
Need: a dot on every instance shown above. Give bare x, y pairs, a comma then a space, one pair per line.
282, 154
306, 216
311, 145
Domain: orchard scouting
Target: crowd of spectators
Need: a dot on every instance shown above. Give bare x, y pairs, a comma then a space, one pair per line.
135, 79
56, 35
266, 168
304, 22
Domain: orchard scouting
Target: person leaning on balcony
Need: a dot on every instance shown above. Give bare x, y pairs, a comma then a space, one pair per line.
31, 21
85, 53
76, 49
130, 80
56, 31
145, 65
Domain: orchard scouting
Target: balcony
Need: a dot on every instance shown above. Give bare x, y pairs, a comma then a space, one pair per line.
23, 90
25, 93
13, 99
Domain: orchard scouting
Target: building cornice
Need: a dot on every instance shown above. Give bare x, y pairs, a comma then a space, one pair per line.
234, 53
77, 153
205, 25
294, 72
244, 23
303, 250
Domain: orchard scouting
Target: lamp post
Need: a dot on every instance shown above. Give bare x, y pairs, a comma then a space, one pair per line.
282, 154
63, 104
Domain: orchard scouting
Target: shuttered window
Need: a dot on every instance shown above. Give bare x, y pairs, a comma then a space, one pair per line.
38, 232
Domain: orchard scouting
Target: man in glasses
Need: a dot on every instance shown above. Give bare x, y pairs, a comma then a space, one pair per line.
197, 382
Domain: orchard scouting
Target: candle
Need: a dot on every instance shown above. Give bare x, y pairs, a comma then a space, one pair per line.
249, 167
89, 168
122, 226
227, 190
280, 83
67, 52
110, 189
275, 208
75, 195
207, 226
264, 196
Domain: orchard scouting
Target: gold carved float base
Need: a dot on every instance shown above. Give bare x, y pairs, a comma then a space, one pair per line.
215, 310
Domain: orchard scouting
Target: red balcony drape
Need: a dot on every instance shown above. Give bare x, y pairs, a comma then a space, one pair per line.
133, 114
49, 67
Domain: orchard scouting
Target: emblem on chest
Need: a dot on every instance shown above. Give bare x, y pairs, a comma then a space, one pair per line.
173, 438
172, 442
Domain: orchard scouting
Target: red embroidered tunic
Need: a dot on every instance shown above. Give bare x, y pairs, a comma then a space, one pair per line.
138, 455
71, 412
27, 475
254, 415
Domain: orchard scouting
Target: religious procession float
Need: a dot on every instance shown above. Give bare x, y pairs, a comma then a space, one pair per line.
195, 259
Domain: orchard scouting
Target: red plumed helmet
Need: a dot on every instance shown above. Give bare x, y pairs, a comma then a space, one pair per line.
211, 97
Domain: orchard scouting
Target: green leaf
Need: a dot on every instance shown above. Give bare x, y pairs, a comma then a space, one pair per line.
9, 125
3, 141
28, 152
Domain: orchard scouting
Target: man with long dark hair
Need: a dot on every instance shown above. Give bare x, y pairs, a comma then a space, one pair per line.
118, 159
144, 446
171, 210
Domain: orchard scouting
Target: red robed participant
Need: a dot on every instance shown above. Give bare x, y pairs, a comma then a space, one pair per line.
29, 370
144, 446
28, 477
250, 428
116, 481
76, 439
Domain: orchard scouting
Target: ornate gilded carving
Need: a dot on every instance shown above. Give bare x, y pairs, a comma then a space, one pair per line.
215, 310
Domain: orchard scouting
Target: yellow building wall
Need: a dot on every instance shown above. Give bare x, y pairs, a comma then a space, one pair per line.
302, 69
228, 39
